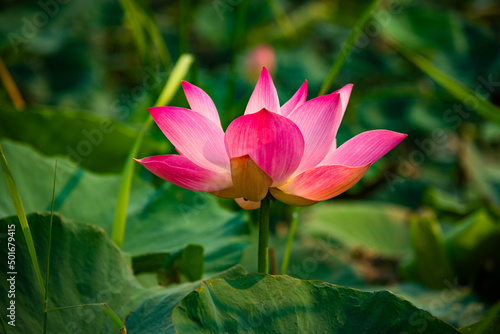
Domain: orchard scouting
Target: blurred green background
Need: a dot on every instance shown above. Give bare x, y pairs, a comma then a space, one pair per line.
423, 221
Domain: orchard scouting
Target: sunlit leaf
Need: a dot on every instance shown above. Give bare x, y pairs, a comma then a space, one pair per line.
282, 304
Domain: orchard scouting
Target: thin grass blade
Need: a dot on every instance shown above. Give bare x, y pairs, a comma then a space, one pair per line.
178, 73
483, 107
348, 46
21, 214
133, 18
142, 24
289, 242
116, 320
282, 19
3, 324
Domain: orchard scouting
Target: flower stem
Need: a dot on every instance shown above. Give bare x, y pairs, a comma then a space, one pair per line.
291, 235
263, 264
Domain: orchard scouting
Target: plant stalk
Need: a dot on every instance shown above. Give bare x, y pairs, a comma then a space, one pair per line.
289, 243
263, 264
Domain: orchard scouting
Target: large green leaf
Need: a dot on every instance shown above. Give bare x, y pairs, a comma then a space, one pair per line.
483, 327
175, 217
97, 143
162, 220
282, 304
377, 227
85, 268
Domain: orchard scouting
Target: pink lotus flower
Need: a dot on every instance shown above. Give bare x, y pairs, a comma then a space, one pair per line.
289, 151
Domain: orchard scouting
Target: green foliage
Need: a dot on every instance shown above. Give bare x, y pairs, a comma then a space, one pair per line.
282, 304
441, 200
97, 143
467, 253
428, 69
472, 246
85, 268
154, 316
173, 83
174, 217
478, 328
188, 262
379, 228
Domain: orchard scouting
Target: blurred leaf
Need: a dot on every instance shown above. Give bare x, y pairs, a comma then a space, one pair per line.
471, 249
154, 316
302, 18
97, 143
442, 200
431, 262
159, 220
282, 304
490, 326
472, 243
485, 181
379, 228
